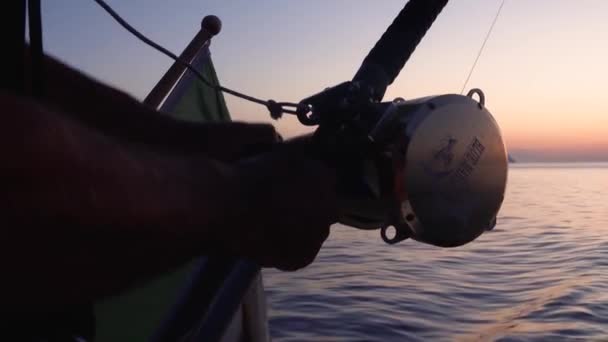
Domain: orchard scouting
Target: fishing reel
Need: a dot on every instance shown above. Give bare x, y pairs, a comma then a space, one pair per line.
432, 169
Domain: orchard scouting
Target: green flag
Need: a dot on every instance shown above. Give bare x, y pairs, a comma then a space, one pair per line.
191, 100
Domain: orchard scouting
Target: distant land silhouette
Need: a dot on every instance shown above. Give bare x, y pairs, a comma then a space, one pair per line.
519, 155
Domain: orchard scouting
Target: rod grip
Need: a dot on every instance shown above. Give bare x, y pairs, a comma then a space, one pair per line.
386, 59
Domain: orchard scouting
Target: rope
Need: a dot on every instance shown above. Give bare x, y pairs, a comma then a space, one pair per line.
276, 109
483, 45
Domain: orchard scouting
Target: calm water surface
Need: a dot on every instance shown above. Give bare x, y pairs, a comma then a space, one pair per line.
541, 274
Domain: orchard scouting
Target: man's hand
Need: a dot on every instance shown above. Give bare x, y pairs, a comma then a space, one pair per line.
285, 202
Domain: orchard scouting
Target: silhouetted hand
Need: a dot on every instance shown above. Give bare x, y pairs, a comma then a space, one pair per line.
288, 203
232, 141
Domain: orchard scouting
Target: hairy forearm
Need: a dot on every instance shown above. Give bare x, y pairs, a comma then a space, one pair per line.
81, 210
119, 115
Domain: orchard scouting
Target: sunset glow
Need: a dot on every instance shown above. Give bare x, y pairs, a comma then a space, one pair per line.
543, 70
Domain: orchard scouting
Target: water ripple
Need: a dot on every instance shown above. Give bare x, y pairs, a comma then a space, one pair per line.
539, 276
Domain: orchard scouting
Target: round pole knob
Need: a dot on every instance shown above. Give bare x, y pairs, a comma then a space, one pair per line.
212, 24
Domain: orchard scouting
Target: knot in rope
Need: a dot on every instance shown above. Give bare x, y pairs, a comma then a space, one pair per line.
275, 109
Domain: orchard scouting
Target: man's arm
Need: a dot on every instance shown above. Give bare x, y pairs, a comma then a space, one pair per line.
117, 114
85, 215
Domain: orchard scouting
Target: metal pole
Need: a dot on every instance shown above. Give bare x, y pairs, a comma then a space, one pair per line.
210, 26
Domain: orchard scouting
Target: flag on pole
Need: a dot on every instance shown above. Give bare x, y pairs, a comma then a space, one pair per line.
191, 100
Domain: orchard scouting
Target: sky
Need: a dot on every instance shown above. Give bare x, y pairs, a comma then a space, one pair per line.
544, 69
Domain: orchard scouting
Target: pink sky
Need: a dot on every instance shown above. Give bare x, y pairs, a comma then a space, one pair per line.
544, 69
544, 72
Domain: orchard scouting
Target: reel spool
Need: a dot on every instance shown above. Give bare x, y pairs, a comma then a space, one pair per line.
438, 173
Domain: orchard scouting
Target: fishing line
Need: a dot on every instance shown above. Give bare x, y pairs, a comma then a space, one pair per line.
276, 109
483, 45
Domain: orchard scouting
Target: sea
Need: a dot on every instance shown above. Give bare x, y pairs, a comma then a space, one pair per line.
540, 275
